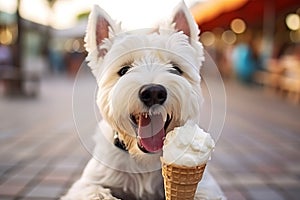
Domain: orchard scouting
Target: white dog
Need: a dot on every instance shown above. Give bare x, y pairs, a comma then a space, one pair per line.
146, 78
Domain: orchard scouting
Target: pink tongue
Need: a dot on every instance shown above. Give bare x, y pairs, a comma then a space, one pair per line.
151, 132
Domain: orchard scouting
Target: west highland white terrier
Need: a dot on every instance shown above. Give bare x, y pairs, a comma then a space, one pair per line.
149, 83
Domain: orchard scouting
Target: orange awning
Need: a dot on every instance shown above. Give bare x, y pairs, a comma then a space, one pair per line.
220, 13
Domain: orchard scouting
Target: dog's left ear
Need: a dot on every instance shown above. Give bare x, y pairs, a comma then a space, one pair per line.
100, 27
184, 21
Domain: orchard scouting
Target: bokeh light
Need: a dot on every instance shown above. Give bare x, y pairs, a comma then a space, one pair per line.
293, 21
238, 26
6, 37
295, 36
207, 38
229, 37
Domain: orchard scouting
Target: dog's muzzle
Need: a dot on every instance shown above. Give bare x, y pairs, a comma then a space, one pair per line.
151, 128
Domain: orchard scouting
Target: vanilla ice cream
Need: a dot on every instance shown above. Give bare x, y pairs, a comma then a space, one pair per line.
187, 145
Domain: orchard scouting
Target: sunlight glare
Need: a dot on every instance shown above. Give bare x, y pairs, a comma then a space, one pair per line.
134, 14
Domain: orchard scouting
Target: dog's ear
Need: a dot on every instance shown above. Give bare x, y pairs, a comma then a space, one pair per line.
184, 21
100, 27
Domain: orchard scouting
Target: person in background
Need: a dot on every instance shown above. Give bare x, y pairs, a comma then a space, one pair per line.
5, 56
245, 58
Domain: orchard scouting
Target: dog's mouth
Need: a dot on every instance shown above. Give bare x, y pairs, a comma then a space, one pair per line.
150, 130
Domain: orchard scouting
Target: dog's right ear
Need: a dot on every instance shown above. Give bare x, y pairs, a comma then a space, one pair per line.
100, 27
185, 22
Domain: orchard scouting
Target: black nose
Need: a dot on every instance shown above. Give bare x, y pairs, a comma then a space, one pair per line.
153, 94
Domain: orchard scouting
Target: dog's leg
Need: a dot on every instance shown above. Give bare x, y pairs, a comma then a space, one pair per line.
85, 191
88, 187
208, 189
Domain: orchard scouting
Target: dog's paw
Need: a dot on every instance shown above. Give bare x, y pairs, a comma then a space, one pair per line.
82, 191
100, 196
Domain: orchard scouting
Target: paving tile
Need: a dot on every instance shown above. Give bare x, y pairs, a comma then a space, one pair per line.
284, 180
16, 180
228, 161
41, 162
293, 166
249, 180
266, 168
234, 194
57, 175
6, 198
293, 193
7, 160
45, 191
4, 168
10, 189
26, 172
263, 193
224, 179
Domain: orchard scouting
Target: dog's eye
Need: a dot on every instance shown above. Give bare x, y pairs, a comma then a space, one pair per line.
176, 69
123, 70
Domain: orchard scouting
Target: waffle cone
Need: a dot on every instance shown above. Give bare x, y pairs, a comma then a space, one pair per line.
181, 182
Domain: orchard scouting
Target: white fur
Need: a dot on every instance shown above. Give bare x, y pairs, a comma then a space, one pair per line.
134, 174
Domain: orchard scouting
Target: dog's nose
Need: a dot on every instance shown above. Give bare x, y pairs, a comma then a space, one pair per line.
153, 94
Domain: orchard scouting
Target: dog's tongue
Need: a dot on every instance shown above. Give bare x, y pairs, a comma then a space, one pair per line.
151, 132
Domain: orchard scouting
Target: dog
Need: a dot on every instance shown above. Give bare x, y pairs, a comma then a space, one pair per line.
148, 84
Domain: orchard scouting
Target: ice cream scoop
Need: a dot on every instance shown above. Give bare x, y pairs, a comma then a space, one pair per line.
188, 145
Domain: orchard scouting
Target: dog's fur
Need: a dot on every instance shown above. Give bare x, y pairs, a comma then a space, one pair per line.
170, 55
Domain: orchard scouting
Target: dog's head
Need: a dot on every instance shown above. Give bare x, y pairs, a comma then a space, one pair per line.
148, 80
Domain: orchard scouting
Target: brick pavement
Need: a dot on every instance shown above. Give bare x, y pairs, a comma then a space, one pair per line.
257, 157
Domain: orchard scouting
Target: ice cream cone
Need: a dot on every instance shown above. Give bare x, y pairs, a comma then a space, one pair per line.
181, 182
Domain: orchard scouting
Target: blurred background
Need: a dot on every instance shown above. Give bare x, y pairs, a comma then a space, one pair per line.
254, 43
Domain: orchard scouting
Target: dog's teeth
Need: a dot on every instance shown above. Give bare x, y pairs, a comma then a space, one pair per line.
145, 115
165, 116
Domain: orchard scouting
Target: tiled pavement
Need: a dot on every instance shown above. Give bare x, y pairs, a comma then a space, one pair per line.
257, 157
